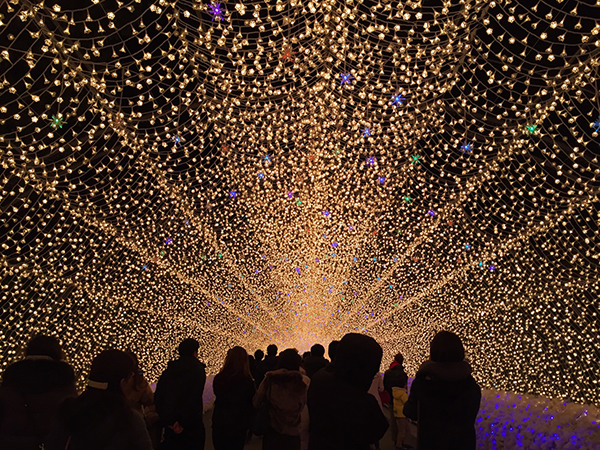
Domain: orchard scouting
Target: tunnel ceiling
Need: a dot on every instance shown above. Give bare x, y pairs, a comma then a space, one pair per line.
290, 171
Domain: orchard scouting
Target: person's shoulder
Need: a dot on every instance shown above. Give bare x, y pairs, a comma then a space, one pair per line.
13, 373
473, 384
306, 379
65, 371
324, 377
199, 366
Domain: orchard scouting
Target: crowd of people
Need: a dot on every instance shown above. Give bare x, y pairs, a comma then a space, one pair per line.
294, 402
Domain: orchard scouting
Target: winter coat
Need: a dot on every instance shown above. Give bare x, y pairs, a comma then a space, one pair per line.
342, 416
101, 420
233, 404
31, 392
312, 364
394, 377
178, 395
376, 388
400, 397
285, 390
444, 399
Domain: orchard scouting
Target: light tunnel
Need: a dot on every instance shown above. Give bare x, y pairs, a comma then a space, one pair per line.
290, 171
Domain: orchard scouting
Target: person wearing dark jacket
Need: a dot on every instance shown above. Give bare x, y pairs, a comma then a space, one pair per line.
332, 349
31, 392
101, 418
285, 391
395, 383
234, 390
395, 376
178, 399
256, 370
316, 360
444, 398
343, 415
268, 364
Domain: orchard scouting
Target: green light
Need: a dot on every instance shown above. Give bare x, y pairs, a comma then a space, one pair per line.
57, 122
531, 129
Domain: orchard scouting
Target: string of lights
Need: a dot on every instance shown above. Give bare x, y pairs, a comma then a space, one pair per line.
287, 171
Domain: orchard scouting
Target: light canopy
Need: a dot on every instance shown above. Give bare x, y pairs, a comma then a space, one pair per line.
290, 171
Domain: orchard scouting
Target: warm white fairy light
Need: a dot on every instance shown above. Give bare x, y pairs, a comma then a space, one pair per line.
179, 170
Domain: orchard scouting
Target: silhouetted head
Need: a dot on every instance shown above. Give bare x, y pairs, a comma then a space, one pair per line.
236, 363
289, 359
259, 355
332, 349
305, 355
446, 347
42, 345
317, 350
189, 347
357, 360
399, 358
111, 369
272, 350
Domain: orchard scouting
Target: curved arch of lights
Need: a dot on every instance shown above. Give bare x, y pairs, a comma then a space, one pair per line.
290, 171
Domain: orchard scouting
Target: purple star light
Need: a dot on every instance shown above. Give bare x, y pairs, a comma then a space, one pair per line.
217, 11
371, 160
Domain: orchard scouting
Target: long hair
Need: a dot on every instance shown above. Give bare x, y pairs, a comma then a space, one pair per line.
82, 417
236, 364
446, 347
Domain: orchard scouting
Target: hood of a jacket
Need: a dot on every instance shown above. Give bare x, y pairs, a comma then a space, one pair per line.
445, 371
286, 377
37, 376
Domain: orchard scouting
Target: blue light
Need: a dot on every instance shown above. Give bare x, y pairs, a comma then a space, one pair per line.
398, 100
597, 124
346, 78
467, 147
